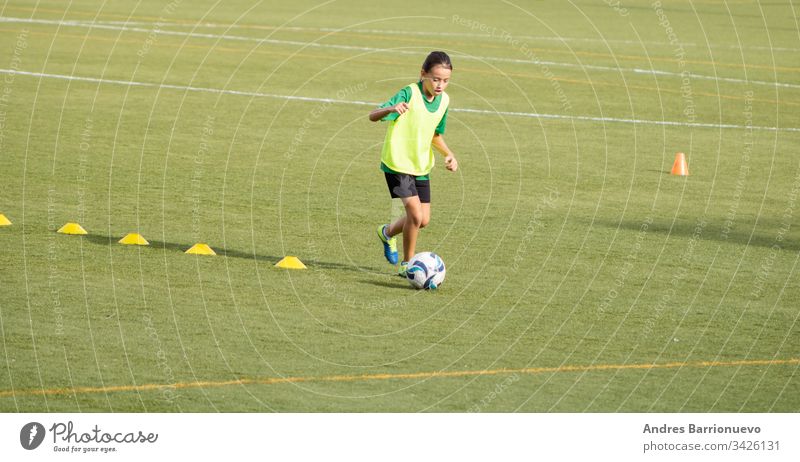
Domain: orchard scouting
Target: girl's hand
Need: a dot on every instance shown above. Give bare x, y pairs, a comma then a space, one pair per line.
400, 108
451, 163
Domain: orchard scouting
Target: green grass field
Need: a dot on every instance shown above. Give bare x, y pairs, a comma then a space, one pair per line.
581, 275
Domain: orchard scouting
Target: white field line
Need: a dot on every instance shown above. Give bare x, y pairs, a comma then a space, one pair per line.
131, 83
157, 30
473, 35
626, 121
374, 104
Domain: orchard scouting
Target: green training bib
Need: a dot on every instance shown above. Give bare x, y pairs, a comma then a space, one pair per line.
407, 147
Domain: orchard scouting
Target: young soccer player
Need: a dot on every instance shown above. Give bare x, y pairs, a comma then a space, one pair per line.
417, 116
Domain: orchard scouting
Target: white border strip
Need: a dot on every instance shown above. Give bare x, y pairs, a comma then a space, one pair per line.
373, 104
365, 436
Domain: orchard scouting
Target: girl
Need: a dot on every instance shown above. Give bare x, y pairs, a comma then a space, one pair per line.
417, 116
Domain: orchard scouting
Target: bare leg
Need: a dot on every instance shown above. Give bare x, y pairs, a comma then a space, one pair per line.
417, 216
397, 227
426, 214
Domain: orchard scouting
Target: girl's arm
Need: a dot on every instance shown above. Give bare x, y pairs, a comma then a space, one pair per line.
450, 161
380, 113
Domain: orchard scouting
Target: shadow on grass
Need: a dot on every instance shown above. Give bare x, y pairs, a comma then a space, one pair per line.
396, 283
272, 259
712, 231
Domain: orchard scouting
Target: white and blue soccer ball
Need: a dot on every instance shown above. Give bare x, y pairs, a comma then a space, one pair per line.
426, 271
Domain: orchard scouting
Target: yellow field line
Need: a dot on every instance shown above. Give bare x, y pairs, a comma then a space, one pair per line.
374, 377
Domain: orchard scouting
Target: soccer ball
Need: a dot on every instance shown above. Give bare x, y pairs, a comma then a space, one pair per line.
426, 271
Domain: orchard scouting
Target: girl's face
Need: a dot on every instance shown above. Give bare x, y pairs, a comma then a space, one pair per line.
435, 81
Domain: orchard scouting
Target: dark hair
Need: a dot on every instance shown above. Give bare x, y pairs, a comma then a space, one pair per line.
437, 58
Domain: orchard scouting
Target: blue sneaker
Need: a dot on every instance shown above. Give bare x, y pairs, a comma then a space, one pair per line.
389, 245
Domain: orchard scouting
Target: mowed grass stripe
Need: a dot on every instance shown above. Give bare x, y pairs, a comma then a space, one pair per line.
315, 44
536, 115
489, 73
138, 20
408, 376
370, 36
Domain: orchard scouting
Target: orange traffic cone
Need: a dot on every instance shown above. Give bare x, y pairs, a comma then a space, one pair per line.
679, 167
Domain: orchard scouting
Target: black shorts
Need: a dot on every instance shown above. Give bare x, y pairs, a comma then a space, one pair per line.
403, 185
